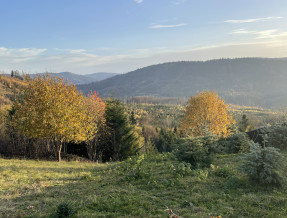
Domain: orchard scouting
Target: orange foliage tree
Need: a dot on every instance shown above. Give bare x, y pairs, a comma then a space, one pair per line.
207, 111
52, 109
95, 111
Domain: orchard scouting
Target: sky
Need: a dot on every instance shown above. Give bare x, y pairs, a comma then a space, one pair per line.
118, 36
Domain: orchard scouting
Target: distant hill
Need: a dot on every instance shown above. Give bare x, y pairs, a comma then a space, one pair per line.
81, 79
243, 81
9, 87
100, 76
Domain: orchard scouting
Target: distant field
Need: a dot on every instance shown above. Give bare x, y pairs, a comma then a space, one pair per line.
139, 187
170, 115
259, 117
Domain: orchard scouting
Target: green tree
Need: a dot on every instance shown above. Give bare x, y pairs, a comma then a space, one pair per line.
123, 140
165, 140
198, 151
52, 109
263, 164
244, 124
132, 118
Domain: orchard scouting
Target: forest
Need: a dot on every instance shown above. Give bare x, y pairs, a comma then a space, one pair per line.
136, 157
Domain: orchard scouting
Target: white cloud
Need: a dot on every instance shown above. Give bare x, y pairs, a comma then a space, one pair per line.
77, 51
83, 62
178, 2
21, 52
138, 1
253, 20
263, 34
158, 26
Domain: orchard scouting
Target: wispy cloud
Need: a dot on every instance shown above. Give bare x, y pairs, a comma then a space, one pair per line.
178, 2
253, 20
77, 51
82, 62
159, 26
263, 34
138, 1
21, 52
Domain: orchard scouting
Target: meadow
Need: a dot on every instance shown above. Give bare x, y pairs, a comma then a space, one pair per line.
145, 183
142, 186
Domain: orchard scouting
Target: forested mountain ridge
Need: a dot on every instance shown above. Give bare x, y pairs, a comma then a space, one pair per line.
243, 81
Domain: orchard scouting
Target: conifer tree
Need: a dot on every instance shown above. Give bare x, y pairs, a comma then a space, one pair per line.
124, 141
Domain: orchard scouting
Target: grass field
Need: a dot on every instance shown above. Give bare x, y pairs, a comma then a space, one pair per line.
139, 187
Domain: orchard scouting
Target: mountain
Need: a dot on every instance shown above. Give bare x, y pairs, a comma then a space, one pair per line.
100, 76
244, 81
81, 79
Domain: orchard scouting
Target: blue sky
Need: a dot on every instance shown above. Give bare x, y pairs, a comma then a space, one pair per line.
89, 36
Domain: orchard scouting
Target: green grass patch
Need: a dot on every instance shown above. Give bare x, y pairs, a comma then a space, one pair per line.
139, 187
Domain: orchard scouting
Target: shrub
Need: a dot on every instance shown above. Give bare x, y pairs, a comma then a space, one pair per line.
198, 151
277, 137
165, 140
235, 143
136, 168
65, 209
181, 170
262, 164
233, 182
224, 172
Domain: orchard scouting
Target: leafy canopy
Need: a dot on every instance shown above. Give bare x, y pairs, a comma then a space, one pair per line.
50, 108
207, 110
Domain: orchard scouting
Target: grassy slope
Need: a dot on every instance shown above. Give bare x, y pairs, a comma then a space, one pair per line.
9, 87
141, 187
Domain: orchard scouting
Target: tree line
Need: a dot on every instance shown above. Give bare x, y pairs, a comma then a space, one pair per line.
50, 116
50, 113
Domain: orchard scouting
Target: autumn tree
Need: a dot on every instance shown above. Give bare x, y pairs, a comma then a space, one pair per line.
95, 108
206, 111
53, 109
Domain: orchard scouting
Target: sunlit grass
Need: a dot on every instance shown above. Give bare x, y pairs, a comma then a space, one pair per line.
140, 187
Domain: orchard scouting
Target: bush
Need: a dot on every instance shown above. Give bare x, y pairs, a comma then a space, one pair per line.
180, 170
233, 182
65, 210
136, 168
165, 140
277, 137
262, 164
198, 151
224, 172
235, 143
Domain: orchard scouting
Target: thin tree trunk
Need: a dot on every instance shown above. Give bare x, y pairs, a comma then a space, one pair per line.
59, 154
59, 151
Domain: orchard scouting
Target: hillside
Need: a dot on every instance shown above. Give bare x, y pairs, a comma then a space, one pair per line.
81, 79
9, 87
139, 187
243, 81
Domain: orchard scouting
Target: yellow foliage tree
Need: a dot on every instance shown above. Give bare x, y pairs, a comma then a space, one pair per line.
52, 109
207, 111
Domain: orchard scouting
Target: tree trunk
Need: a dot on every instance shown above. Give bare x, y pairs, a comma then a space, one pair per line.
59, 151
